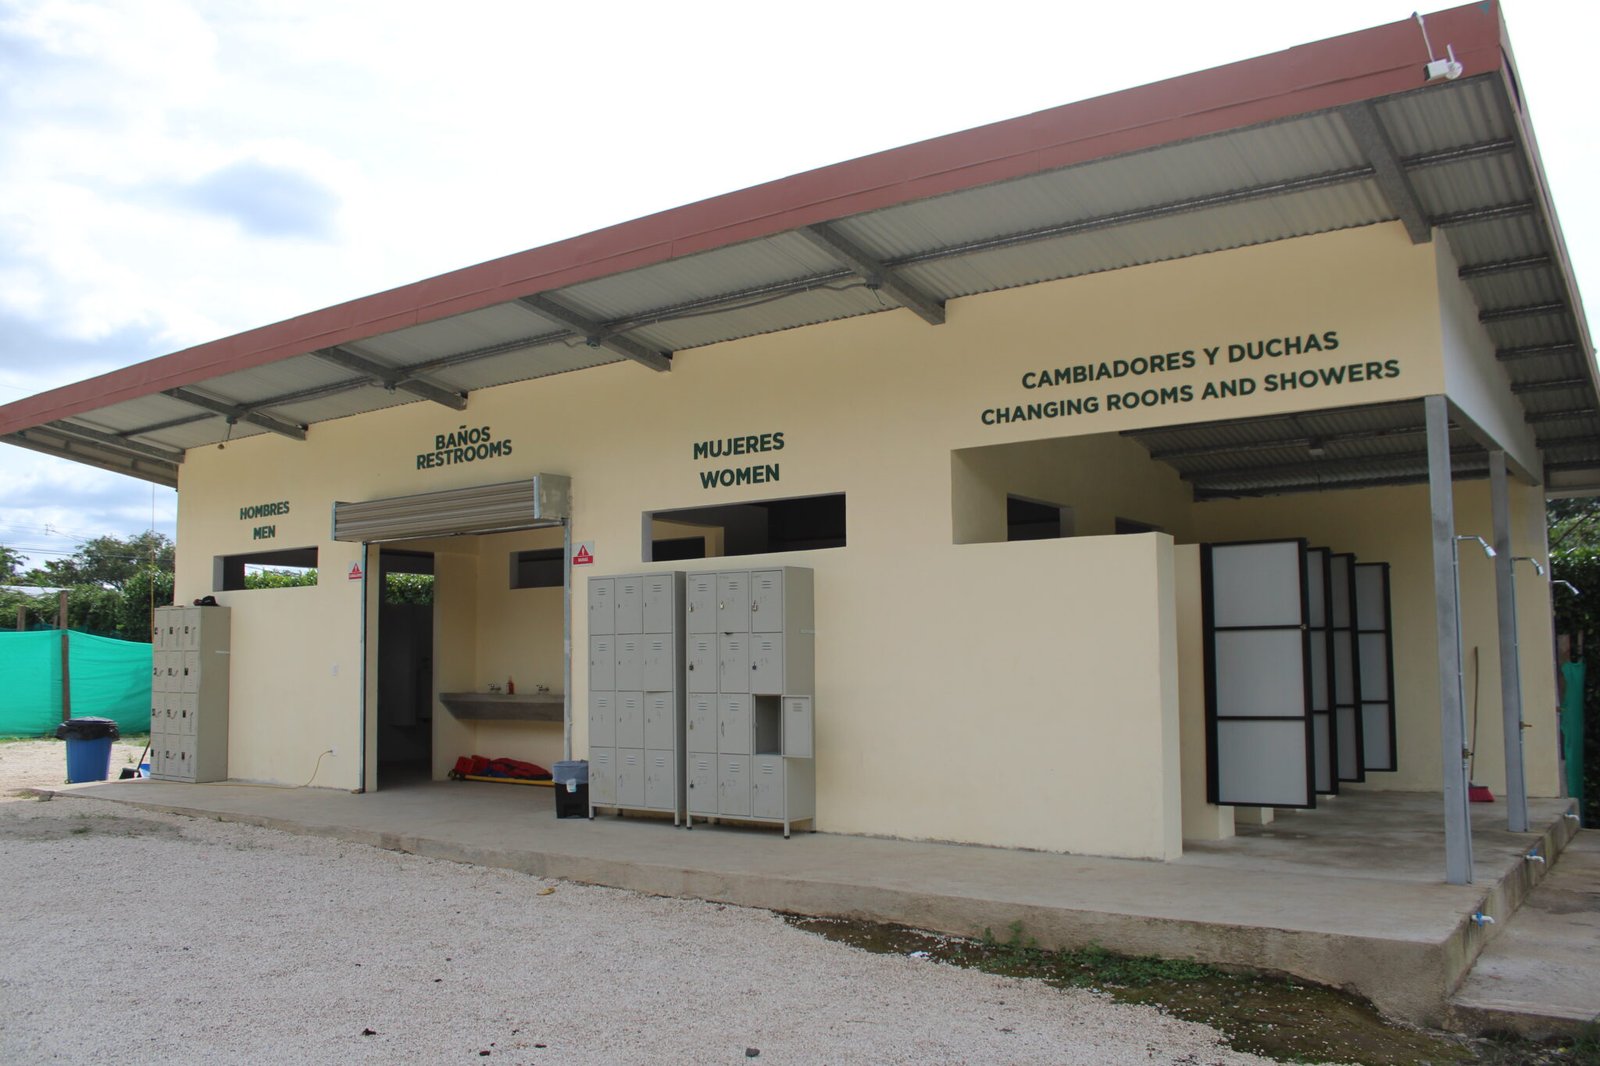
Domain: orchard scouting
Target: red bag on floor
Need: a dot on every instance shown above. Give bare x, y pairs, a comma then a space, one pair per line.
525, 771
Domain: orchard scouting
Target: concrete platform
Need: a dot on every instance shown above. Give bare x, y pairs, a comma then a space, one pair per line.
1349, 895
1541, 976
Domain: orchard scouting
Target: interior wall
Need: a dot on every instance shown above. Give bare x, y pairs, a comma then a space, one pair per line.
1102, 478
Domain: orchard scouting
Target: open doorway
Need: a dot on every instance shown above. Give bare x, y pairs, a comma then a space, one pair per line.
405, 667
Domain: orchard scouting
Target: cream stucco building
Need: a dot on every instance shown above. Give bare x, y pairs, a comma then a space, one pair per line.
996, 391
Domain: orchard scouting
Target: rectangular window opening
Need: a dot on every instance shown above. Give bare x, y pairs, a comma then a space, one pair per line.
284, 568
536, 568
800, 523
1036, 520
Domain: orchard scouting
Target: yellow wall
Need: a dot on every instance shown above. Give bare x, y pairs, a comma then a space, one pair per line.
1050, 667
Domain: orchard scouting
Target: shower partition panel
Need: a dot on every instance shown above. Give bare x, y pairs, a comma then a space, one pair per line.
1375, 664
1347, 732
1258, 676
1324, 771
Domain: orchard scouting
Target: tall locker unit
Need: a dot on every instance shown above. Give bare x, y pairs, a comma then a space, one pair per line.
636, 693
189, 694
750, 669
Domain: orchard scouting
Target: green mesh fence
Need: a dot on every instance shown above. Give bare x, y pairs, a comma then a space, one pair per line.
110, 679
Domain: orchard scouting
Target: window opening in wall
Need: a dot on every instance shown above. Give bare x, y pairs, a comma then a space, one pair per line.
285, 568
1036, 520
1129, 525
537, 568
801, 523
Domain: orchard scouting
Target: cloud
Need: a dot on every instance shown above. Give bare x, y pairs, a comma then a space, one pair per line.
267, 200
34, 357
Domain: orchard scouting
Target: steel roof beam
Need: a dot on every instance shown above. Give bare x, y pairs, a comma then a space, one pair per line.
1263, 420
876, 273
1484, 214
115, 442
1143, 214
1326, 466
1535, 351
1201, 451
594, 333
1460, 473
1539, 418
1554, 385
1447, 156
162, 473
1501, 314
392, 378
1373, 140
1503, 266
239, 413
171, 423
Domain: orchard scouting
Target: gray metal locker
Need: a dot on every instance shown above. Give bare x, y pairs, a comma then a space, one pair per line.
636, 694
189, 693
733, 602
602, 719
760, 665
630, 719
602, 605
630, 604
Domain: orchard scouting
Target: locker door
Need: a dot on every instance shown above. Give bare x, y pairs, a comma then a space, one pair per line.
1375, 665
798, 727
701, 596
701, 727
733, 785
659, 657
630, 604
766, 601
630, 660
766, 787
1322, 739
602, 775
733, 724
733, 602
766, 664
602, 605
702, 783
602, 720
1258, 696
733, 662
602, 662
660, 781
660, 597
630, 720
630, 777
660, 719
191, 629
188, 714
191, 671
1348, 745
701, 662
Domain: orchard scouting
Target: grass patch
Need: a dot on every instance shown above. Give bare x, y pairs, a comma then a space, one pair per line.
1275, 1017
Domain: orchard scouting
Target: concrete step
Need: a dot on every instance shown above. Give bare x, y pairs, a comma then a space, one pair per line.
1541, 975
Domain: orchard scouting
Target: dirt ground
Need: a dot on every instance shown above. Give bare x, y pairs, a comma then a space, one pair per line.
27, 764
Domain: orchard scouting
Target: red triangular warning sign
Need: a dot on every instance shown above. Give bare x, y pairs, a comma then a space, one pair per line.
582, 557
355, 572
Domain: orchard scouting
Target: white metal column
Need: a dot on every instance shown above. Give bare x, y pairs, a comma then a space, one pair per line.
1452, 723
1505, 589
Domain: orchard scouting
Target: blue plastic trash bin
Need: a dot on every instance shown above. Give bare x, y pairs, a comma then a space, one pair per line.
88, 747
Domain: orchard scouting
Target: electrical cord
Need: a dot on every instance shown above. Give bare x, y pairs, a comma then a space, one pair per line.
282, 788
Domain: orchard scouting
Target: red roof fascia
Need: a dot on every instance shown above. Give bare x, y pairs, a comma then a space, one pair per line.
1325, 74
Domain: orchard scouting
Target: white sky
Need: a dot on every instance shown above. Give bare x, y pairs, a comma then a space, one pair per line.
172, 172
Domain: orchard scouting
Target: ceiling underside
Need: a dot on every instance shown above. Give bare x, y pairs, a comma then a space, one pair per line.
1447, 157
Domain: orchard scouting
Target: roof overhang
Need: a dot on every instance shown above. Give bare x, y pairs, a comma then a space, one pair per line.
1336, 134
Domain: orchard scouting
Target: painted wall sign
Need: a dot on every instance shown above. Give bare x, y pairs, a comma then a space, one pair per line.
355, 572
1300, 362
464, 445
746, 474
257, 511
583, 554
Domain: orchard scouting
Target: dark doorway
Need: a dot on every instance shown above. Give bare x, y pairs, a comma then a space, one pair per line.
405, 667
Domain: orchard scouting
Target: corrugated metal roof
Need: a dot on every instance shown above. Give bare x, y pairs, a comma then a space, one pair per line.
1457, 144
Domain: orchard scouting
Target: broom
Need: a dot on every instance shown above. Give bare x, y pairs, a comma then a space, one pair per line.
1475, 793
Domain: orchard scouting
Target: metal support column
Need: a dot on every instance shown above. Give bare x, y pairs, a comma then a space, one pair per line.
566, 638
1446, 596
1505, 590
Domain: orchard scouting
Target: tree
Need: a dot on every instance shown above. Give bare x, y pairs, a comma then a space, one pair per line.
10, 562
110, 561
1574, 523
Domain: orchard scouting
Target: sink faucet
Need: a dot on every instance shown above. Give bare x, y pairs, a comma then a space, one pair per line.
540, 690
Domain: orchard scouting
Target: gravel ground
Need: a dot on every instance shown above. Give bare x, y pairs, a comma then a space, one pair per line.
43, 763
139, 937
